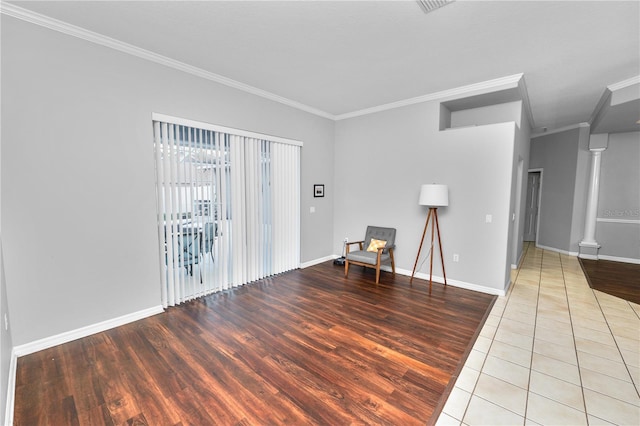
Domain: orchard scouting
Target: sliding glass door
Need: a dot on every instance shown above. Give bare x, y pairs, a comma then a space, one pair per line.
228, 206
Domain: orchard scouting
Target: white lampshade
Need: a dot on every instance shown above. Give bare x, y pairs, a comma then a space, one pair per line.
434, 195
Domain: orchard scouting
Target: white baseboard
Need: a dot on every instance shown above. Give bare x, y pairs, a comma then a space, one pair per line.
557, 250
588, 256
11, 388
618, 259
317, 261
68, 336
420, 275
454, 283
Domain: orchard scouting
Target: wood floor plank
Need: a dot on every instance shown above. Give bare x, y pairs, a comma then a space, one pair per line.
119, 396
199, 408
96, 416
615, 278
223, 369
306, 347
69, 414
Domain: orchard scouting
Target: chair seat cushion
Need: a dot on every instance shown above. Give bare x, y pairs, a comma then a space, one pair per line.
366, 257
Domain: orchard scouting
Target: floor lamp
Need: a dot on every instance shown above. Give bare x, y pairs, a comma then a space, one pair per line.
434, 196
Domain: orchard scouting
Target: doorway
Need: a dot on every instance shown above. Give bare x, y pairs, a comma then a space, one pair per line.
534, 181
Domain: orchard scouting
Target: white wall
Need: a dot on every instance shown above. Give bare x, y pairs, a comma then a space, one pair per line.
382, 160
77, 133
619, 198
501, 113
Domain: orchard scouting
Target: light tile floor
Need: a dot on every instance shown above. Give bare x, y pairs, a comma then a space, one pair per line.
552, 352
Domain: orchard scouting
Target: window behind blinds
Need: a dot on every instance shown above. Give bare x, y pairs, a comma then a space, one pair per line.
228, 206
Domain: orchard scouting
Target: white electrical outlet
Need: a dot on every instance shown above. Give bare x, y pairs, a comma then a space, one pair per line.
456, 257
488, 218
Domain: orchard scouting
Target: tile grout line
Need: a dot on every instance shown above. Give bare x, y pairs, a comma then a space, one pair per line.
575, 346
624, 362
533, 342
573, 301
507, 297
539, 268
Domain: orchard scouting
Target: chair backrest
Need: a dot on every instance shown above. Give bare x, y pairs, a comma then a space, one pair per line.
380, 233
190, 247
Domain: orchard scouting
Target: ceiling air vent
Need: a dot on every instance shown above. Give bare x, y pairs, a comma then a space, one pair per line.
431, 5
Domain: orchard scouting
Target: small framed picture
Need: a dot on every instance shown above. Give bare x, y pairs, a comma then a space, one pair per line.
318, 191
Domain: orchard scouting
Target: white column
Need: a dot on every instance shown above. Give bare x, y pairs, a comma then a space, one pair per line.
589, 245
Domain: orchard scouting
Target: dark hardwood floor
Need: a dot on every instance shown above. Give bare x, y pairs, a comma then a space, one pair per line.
305, 347
615, 278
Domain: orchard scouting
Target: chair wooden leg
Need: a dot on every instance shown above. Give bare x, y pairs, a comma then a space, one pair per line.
377, 273
393, 262
346, 268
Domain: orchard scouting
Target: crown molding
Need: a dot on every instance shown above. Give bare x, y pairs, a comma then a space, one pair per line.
560, 129
625, 83
608, 91
602, 102
471, 89
93, 37
515, 80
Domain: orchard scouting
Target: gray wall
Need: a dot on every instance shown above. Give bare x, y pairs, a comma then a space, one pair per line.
566, 161
619, 197
491, 114
519, 186
557, 154
581, 190
381, 161
78, 184
6, 340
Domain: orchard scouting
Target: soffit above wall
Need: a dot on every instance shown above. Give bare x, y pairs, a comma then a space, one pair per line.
619, 109
486, 99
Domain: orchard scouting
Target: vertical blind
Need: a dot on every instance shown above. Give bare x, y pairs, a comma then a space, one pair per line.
228, 206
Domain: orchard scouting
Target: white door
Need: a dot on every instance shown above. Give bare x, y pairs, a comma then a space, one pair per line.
531, 217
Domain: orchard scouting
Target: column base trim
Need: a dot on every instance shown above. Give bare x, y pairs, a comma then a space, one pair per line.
588, 250
589, 244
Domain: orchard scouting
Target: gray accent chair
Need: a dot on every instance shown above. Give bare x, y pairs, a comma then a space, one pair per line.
370, 259
190, 249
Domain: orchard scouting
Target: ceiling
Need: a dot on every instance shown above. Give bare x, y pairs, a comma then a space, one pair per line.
340, 57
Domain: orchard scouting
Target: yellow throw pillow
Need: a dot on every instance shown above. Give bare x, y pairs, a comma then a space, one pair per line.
375, 245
